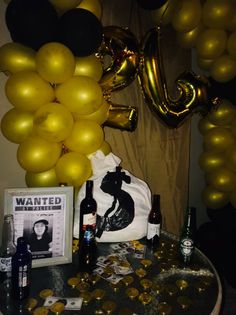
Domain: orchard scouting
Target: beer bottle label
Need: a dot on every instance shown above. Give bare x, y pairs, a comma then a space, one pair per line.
152, 230
186, 246
5, 264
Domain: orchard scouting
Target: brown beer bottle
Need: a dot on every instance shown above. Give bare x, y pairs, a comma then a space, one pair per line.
154, 223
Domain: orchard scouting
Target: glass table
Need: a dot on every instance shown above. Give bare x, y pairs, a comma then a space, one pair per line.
156, 283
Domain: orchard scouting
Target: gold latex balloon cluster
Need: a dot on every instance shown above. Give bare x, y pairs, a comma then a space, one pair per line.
218, 159
56, 117
209, 27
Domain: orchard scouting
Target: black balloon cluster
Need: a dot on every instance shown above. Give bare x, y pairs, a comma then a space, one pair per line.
34, 23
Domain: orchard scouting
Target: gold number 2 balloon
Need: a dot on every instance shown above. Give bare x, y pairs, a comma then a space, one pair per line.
123, 48
192, 89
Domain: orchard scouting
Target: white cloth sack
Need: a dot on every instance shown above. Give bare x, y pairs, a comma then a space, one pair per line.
123, 201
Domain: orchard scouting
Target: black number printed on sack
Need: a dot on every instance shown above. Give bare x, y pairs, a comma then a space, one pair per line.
124, 214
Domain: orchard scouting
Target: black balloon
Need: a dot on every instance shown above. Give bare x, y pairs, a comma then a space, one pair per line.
151, 4
223, 90
81, 31
31, 22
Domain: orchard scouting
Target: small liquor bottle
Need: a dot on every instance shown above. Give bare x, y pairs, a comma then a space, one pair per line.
187, 237
154, 223
88, 210
88, 250
21, 267
8, 247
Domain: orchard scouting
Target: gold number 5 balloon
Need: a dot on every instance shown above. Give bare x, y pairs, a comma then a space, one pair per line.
192, 88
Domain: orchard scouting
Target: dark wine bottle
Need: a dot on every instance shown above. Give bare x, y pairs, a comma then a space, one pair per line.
88, 210
154, 223
7, 249
187, 237
88, 250
21, 268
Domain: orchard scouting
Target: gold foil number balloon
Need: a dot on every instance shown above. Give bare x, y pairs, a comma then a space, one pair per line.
192, 89
122, 47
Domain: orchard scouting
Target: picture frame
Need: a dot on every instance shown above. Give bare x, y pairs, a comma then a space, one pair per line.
44, 216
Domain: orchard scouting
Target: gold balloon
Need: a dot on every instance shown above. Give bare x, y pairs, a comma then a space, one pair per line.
204, 125
209, 161
222, 179
231, 44
81, 95
223, 69
217, 13
86, 137
15, 57
214, 198
99, 116
211, 43
122, 117
38, 155
233, 127
65, 5
43, 179
192, 89
189, 39
73, 168
187, 15
231, 23
89, 66
164, 14
105, 148
223, 114
55, 62
26, 90
232, 198
218, 139
123, 48
17, 125
94, 6
53, 122
204, 64
230, 157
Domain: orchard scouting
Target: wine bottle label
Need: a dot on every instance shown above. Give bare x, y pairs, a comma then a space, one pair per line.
23, 276
186, 246
89, 219
152, 230
5, 264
